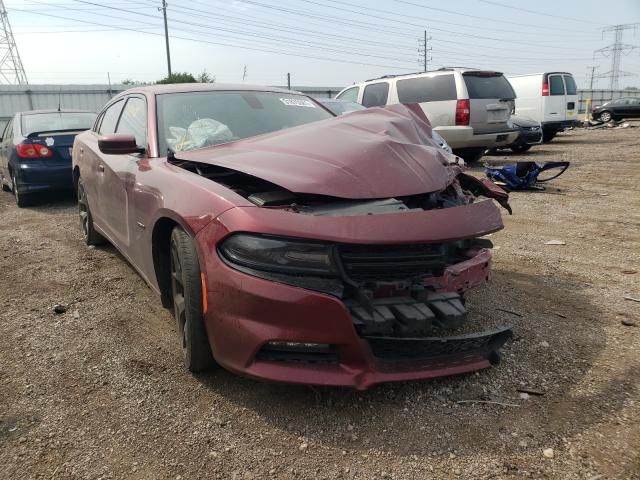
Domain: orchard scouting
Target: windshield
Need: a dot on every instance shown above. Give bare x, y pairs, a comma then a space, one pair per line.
488, 86
199, 119
56, 121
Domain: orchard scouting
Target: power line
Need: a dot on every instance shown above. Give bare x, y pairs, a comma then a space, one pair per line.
539, 13
242, 47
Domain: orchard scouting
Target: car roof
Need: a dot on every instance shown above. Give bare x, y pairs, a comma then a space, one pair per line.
204, 87
53, 110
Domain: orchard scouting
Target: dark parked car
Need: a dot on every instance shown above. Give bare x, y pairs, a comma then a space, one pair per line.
35, 151
617, 109
530, 133
293, 245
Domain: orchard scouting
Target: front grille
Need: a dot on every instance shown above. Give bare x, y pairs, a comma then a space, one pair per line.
412, 349
380, 262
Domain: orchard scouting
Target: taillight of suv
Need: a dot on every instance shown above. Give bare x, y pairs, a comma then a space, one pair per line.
463, 112
545, 89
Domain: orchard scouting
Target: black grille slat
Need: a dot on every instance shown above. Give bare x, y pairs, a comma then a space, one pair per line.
393, 261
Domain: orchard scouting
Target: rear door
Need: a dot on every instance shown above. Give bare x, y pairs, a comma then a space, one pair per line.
634, 107
436, 95
555, 108
491, 99
571, 97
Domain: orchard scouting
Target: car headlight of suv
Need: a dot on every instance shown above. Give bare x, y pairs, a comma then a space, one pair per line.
279, 255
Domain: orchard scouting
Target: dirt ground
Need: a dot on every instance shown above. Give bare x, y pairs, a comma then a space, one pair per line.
100, 391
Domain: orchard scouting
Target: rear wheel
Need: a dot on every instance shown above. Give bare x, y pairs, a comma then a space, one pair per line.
605, 116
22, 199
470, 155
186, 292
91, 237
520, 147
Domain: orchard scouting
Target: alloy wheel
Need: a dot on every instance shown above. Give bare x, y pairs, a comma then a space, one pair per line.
605, 117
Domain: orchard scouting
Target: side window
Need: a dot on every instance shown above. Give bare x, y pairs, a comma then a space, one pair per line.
110, 118
134, 120
571, 85
620, 101
427, 89
634, 101
556, 85
350, 94
375, 95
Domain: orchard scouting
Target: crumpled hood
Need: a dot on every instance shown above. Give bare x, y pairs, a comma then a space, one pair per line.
374, 153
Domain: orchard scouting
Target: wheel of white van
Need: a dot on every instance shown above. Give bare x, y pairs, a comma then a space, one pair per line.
22, 199
186, 293
605, 116
520, 147
89, 233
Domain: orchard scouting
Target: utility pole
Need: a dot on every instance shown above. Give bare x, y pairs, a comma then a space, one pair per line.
593, 69
11, 68
424, 49
244, 73
288, 81
615, 50
166, 36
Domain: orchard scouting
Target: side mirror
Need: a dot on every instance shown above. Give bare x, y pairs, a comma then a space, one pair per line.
119, 144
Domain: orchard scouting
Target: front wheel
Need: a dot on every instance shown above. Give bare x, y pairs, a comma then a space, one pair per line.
605, 116
187, 292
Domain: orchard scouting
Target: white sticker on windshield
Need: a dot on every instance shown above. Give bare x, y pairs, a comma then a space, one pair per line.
297, 102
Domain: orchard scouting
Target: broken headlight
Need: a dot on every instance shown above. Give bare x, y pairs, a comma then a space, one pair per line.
278, 255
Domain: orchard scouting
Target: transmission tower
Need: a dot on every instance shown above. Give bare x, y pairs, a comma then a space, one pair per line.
615, 51
11, 68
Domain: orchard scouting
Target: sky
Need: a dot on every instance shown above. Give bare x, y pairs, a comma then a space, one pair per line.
319, 42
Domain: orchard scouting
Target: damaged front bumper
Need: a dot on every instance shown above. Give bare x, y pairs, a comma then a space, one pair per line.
280, 332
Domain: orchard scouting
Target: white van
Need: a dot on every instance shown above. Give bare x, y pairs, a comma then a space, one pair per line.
470, 108
551, 98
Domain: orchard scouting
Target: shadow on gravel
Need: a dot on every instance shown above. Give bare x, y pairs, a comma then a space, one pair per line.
557, 337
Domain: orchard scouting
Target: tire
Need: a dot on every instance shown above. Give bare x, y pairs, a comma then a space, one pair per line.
89, 233
520, 147
22, 199
605, 116
470, 155
186, 294
548, 135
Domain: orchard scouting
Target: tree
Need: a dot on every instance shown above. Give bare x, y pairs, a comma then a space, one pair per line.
205, 77
181, 77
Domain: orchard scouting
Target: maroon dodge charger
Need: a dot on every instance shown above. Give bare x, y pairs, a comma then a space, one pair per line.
292, 245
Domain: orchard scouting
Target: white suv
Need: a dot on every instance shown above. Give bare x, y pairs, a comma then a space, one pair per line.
469, 108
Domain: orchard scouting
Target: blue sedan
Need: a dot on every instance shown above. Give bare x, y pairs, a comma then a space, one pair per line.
35, 151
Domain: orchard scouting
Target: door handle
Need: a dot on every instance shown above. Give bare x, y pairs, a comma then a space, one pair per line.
101, 168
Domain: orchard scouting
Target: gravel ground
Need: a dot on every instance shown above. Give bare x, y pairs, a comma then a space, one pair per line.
100, 391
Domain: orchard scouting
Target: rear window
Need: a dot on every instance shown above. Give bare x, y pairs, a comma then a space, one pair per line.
556, 86
427, 89
56, 121
375, 95
570, 84
488, 85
